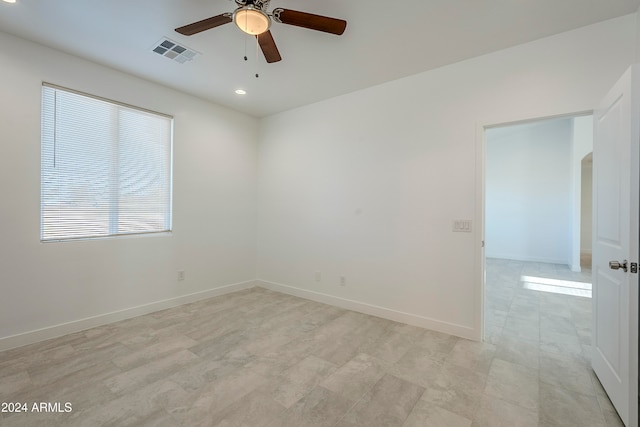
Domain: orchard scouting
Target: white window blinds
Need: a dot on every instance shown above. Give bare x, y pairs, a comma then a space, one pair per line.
106, 168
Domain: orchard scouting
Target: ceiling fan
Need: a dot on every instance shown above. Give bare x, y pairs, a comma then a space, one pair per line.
251, 17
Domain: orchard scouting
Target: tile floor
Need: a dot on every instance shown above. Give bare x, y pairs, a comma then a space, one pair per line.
545, 338
259, 358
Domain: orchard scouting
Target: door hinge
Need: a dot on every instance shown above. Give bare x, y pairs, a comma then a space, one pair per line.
634, 267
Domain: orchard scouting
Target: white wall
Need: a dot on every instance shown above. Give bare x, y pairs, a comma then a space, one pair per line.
533, 190
367, 185
528, 187
637, 56
213, 239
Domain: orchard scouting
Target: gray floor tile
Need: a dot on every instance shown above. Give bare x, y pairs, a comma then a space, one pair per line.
520, 351
390, 347
457, 390
514, 383
389, 403
426, 414
555, 342
150, 352
356, 377
297, 381
565, 371
150, 372
319, 408
561, 407
472, 355
256, 409
495, 412
133, 409
209, 401
418, 366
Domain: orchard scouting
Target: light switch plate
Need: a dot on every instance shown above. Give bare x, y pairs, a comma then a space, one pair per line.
462, 225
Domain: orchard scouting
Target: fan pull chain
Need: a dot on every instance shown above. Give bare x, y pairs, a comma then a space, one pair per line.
245, 39
257, 48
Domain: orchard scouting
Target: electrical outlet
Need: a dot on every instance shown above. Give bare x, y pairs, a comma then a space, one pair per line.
318, 276
180, 275
343, 281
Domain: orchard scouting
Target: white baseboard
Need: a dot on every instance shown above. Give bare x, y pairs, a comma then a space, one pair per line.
55, 331
373, 310
527, 258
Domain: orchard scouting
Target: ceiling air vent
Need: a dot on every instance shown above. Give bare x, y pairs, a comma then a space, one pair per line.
174, 51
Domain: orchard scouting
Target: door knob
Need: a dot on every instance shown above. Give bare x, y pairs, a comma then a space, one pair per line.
616, 265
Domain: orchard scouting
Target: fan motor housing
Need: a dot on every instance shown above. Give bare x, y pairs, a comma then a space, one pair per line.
259, 4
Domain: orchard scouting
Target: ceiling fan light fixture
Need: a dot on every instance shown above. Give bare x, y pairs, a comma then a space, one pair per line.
251, 20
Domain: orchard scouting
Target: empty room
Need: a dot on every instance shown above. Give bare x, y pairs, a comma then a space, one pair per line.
299, 213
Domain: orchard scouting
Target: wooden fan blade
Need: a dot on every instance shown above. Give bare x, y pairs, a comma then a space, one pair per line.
205, 24
268, 46
310, 21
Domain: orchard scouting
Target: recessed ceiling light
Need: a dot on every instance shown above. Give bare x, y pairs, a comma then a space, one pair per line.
241, 91
9, 1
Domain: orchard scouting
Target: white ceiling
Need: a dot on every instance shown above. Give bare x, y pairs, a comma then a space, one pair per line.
383, 41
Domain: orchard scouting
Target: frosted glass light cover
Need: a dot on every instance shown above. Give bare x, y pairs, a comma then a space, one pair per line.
252, 21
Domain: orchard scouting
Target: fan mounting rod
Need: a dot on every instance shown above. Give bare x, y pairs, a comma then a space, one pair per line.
259, 4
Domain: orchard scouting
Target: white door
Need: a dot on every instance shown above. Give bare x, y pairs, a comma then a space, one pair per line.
616, 159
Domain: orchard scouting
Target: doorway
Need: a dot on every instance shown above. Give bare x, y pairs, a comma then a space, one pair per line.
537, 222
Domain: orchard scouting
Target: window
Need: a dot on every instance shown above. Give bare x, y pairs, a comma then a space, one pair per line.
105, 168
